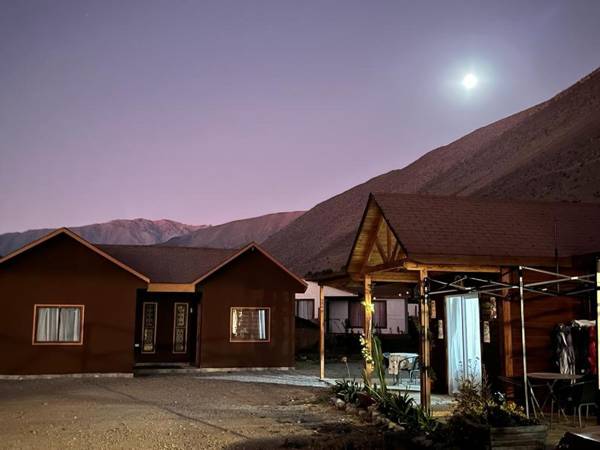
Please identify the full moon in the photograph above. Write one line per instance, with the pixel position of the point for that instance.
(470, 81)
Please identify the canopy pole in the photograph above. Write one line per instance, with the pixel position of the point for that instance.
(368, 326)
(322, 331)
(425, 344)
(522, 305)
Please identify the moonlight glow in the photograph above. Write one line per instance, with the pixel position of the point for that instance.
(470, 81)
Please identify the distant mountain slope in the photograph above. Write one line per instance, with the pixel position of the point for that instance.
(237, 233)
(550, 151)
(136, 231)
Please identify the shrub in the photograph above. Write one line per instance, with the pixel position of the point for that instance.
(347, 390)
(476, 411)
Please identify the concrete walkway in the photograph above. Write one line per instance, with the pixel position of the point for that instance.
(301, 378)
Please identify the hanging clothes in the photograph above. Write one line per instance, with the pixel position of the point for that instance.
(564, 352)
(580, 339)
(592, 350)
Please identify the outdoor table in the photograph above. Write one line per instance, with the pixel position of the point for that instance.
(399, 361)
(550, 379)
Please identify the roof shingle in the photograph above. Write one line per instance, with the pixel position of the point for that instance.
(163, 264)
(467, 226)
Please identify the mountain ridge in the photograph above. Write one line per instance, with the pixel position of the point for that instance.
(236, 233)
(549, 151)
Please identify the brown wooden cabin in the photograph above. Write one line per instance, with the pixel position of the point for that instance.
(69, 306)
(422, 241)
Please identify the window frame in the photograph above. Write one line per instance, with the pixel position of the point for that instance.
(233, 340)
(312, 308)
(37, 306)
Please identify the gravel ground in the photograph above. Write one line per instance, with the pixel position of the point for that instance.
(173, 412)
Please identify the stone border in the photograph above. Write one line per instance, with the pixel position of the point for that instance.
(369, 414)
(63, 376)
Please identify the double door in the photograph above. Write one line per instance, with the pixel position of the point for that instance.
(166, 331)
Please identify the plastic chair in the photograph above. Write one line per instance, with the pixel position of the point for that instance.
(579, 395)
(411, 366)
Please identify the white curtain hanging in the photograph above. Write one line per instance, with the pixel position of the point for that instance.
(69, 325)
(262, 324)
(47, 325)
(464, 347)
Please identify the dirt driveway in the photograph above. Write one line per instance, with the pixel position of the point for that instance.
(172, 412)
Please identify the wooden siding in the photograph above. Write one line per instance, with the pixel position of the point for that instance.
(252, 280)
(62, 270)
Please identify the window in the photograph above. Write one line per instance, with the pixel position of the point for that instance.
(58, 324)
(305, 308)
(380, 315)
(356, 314)
(250, 324)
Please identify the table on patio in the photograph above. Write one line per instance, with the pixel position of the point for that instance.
(549, 380)
(400, 361)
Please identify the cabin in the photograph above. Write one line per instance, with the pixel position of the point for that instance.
(344, 311)
(72, 307)
(494, 280)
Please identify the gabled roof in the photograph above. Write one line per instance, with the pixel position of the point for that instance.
(445, 228)
(76, 237)
(185, 265)
(162, 264)
(168, 264)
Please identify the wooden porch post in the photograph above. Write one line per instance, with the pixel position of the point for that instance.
(368, 324)
(424, 341)
(322, 331)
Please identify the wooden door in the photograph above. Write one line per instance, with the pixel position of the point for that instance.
(166, 331)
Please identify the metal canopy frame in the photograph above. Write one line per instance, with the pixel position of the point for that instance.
(583, 284)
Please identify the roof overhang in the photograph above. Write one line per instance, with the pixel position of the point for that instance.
(379, 252)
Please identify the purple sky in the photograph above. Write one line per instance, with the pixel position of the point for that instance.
(205, 112)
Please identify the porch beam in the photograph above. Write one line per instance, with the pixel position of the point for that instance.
(388, 235)
(394, 277)
(371, 242)
(171, 287)
(381, 251)
(408, 265)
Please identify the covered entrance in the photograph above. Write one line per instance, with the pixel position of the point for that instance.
(449, 250)
(166, 328)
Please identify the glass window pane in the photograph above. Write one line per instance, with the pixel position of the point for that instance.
(70, 325)
(250, 324)
(47, 324)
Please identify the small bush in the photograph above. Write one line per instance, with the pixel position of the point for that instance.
(347, 390)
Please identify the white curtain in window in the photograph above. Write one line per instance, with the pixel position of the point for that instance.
(47, 325)
(305, 309)
(262, 324)
(70, 319)
(464, 347)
